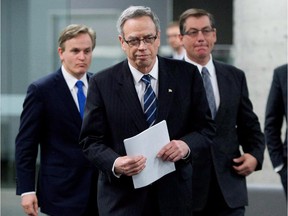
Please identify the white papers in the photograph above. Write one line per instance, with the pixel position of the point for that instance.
(148, 143)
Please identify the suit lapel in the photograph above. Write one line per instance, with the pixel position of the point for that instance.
(128, 95)
(224, 92)
(166, 90)
(66, 100)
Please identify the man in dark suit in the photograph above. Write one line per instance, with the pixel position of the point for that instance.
(66, 183)
(276, 111)
(219, 185)
(115, 111)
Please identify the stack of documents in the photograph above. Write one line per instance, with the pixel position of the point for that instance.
(148, 143)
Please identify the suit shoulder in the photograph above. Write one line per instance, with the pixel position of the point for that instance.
(46, 80)
(230, 69)
(90, 74)
(109, 71)
(176, 62)
(177, 66)
(281, 70)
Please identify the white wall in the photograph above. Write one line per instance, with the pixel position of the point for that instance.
(260, 45)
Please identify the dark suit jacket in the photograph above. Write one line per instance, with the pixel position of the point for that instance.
(236, 125)
(113, 113)
(276, 110)
(50, 118)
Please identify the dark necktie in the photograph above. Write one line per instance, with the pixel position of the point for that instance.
(81, 97)
(209, 91)
(150, 105)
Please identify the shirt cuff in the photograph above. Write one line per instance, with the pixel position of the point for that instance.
(27, 193)
(278, 168)
(113, 170)
(187, 155)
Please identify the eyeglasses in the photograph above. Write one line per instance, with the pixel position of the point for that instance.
(194, 32)
(136, 41)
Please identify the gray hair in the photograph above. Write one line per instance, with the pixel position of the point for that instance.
(134, 12)
(72, 31)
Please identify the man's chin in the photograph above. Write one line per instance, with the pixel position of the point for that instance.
(202, 55)
(82, 71)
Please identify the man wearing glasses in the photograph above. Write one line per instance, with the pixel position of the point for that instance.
(116, 110)
(219, 185)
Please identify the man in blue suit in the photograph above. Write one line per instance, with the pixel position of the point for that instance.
(276, 111)
(115, 110)
(51, 122)
(219, 183)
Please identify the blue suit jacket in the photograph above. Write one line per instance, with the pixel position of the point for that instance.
(237, 125)
(113, 113)
(50, 118)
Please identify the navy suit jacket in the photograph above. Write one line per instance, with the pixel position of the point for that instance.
(276, 110)
(50, 118)
(236, 125)
(113, 113)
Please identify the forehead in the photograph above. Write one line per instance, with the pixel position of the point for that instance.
(173, 29)
(82, 39)
(197, 22)
(139, 26)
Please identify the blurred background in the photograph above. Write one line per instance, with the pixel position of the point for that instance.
(252, 35)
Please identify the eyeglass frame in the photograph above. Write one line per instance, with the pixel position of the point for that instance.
(148, 37)
(205, 31)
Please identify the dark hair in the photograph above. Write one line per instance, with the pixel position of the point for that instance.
(194, 12)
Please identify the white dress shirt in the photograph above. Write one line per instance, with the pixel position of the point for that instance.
(213, 77)
(71, 81)
(140, 85)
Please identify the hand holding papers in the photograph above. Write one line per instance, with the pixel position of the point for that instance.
(148, 143)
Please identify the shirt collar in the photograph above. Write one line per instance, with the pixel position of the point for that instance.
(137, 75)
(71, 80)
(209, 65)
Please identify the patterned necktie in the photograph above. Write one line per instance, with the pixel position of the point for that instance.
(81, 97)
(149, 101)
(209, 91)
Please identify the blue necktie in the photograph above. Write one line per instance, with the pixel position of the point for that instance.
(81, 97)
(149, 101)
(209, 91)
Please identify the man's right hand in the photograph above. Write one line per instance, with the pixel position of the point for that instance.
(29, 203)
(129, 166)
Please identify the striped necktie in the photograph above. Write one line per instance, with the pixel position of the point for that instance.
(209, 91)
(150, 101)
(81, 97)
